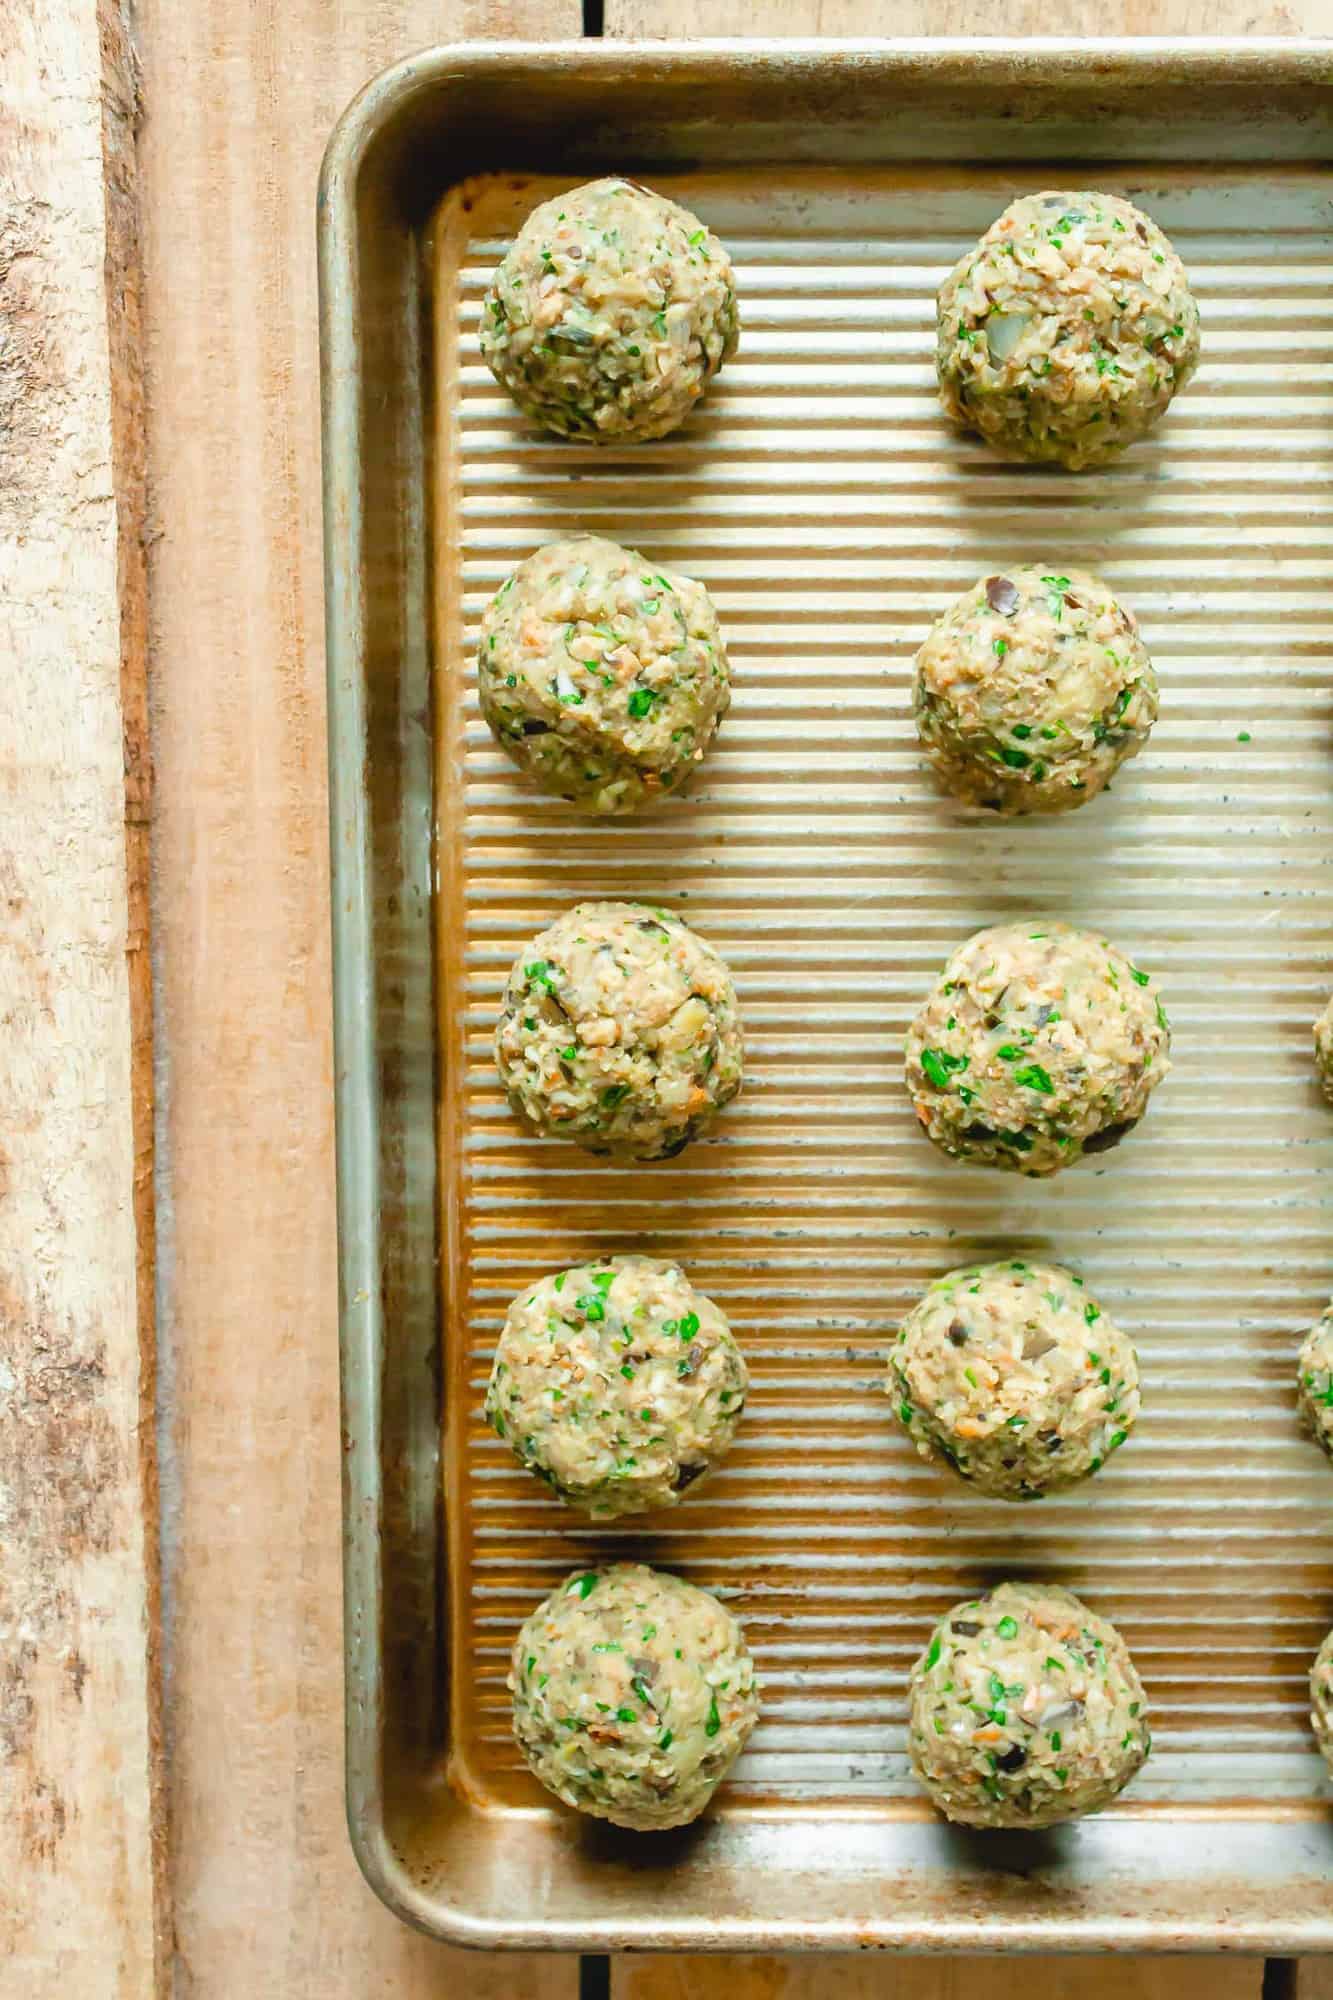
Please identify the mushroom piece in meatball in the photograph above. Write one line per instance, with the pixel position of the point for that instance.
(620, 1031)
(1013, 1375)
(618, 1383)
(1025, 1710)
(634, 1694)
(610, 313)
(1039, 1043)
(603, 677)
(1314, 1381)
(1065, 332)
(1033, 690)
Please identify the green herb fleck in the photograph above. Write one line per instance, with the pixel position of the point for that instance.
(939, 1066)
(1056, 586)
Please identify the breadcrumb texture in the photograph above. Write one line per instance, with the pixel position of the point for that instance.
(1064, 334)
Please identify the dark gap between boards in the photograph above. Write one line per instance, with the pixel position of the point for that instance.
(595, 1969)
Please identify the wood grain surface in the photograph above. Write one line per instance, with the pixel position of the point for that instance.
(80, 1853)
(241, 97)
(665, 19)
(979, 1978)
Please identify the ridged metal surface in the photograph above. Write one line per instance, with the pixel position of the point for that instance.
(820, 495)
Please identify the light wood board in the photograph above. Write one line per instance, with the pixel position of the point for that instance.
(665, 20)
(242, 95)
(977, 1979)
(80, 1849)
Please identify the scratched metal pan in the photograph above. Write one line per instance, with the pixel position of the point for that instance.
(820, 495)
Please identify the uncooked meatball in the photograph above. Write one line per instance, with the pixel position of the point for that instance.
(1323, 1050)
(1314, 1381)
(1065, 332)
(1321, 1699)
(620, 1031)
(1026, 1710)
(1015, 1377)
(618, 1384)
(610, 313)
(634, 1693)
(1033, 690)
(602, 677)
(1039, 1043)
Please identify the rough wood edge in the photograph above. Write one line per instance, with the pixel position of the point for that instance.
(81, 1762)
(121, 108)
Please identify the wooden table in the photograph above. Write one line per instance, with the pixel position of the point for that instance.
(170, 1649)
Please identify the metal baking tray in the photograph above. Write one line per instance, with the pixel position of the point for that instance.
(821, 496)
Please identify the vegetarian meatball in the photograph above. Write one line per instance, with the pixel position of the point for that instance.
(620, 1031)
(1039, 1043)
(634, 1693)
(1015, 1377)
(1065, 332)
(1321, 1699)
(1323, 1050)
(1314, 1381)
(610, 313)
(1032, 692)
(1026, 1710)
(618, 1384)
(603, 678)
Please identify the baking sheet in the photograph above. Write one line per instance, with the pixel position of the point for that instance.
(819, 494)
(833, 513)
